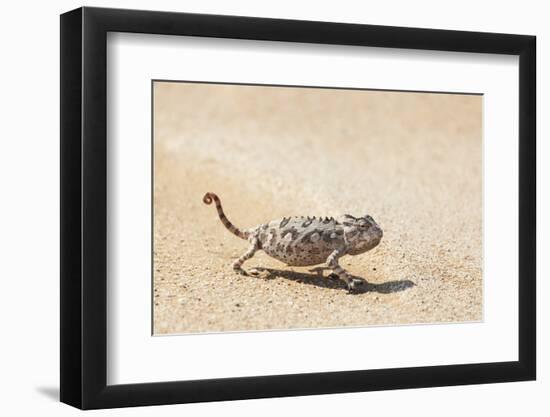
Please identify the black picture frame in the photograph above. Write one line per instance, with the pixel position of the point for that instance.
(84, 207)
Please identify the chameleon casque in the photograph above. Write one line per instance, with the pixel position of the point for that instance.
(307, 241)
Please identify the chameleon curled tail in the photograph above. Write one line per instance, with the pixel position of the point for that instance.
(207, 199)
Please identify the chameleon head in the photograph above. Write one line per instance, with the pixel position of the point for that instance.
(361, 234)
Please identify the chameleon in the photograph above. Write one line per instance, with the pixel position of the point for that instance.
(307, 241)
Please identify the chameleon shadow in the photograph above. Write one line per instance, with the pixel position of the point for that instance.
(319, 280)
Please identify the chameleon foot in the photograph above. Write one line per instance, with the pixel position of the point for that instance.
(354, 285)
(240, 271)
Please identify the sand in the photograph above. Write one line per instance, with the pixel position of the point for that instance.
(413, 161)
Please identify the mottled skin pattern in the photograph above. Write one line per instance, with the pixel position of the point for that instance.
(306, 241)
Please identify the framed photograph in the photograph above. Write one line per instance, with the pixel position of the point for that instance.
(257, 208)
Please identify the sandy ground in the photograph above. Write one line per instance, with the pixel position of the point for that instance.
(411, 160)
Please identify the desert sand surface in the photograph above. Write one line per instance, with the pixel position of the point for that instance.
(413, 161)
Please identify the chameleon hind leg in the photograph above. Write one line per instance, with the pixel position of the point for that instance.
(252, 249)
(332, 261)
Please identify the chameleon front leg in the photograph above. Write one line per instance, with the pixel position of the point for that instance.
(332, 262)
(237, 265)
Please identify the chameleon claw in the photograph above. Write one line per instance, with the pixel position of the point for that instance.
(354, 285)
(240, 271)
